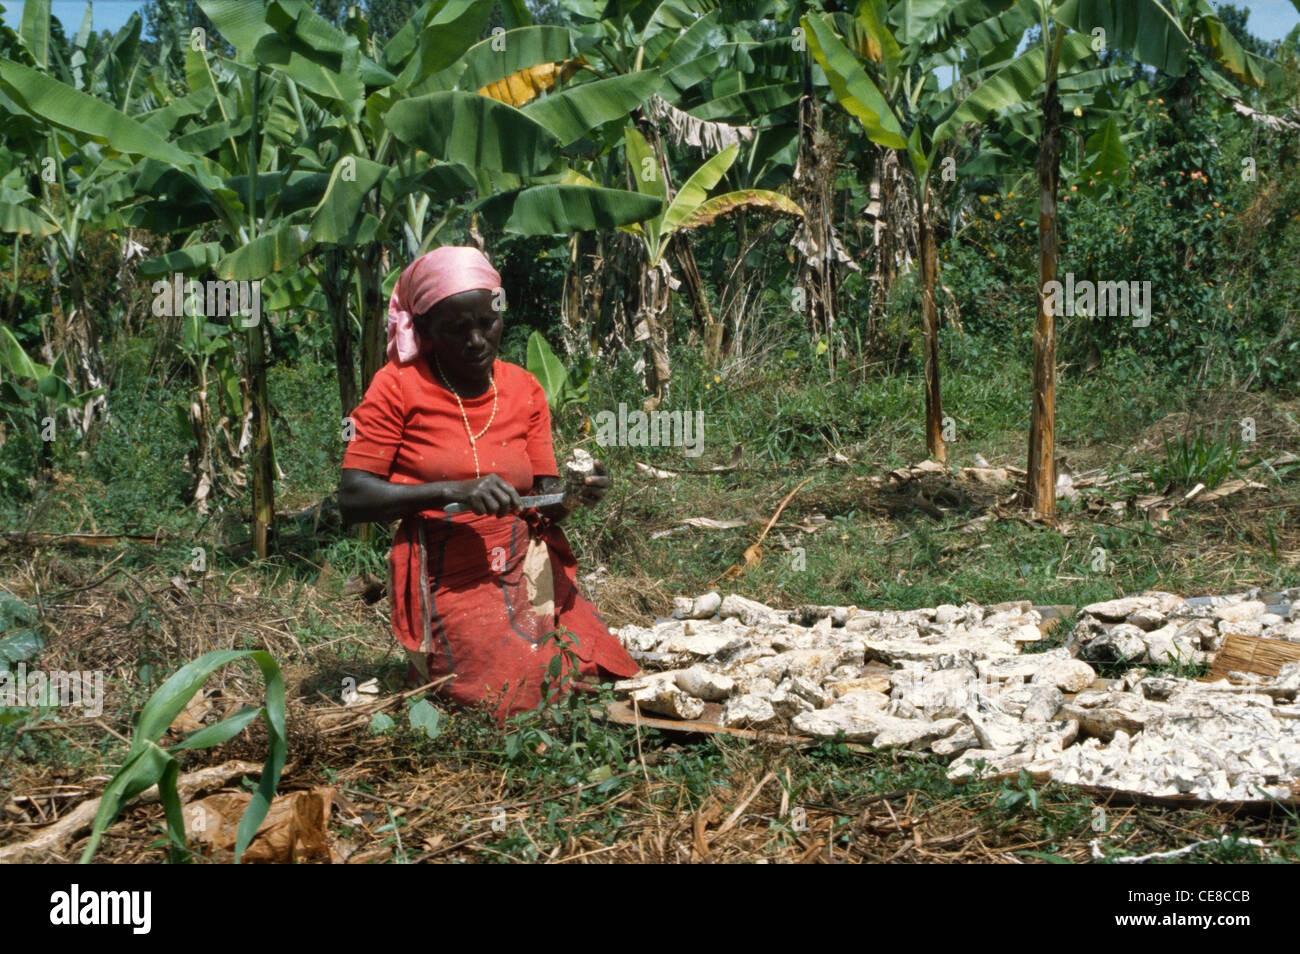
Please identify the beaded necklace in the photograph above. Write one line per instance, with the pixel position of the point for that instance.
(473, 438)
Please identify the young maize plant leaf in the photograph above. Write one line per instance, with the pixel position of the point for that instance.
(147, 763)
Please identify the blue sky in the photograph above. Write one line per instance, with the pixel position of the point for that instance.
(1270, 19)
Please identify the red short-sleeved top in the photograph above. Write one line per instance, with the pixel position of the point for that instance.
(409, 429)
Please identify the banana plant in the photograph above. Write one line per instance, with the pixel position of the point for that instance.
(32, 393)
(1154, 36)
(910, 115)
(78, 180)
(720, 67)
(1062, 63)
(205, 191)
(445, 114)
(979, 38)
(356, 151)
(689, 208)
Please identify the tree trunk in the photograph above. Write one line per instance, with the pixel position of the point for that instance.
(83, 334)
(257, 414)
(594, 296)
(722, 342)
(934, 444)
(1040, 481)
(374, 317)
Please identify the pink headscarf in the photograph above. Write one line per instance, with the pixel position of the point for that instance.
(429, 279)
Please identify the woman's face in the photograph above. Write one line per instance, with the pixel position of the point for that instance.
(464, 332)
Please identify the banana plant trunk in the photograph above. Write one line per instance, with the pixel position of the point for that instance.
(336, 280)
(263, 461)
(654, 311)
(1041, 477)
(710, 328)
(816, 241)
(83, 334)
(263, 453)
(74, 337)
(572, 327)
(374, 317)
(934, 443)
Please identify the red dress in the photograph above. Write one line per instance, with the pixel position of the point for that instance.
(474, 596)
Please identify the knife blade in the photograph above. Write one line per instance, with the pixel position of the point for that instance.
(540, 500)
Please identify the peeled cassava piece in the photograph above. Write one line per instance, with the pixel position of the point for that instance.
(701, 607)
(964, 683)
(577, 469)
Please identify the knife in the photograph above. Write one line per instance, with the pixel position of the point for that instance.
(541, 500)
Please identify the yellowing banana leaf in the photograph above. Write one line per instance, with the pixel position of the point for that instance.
(503, 54)
(522, 87)
(712, 209)
(878, 43)
(574, 177)
(17, 219)
(1227, 51)
(852, 86)
(696, 189)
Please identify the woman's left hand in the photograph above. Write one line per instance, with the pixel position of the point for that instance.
(596, 485)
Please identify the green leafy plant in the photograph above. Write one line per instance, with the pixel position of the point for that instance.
(19, 641)
(147, 763)
(426, 718)
(562, 739)
(1197, 457)
(563, 386)
(1021, 795)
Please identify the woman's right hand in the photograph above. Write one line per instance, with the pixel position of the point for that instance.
(487, 495)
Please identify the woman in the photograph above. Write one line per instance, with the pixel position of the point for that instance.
(474, 594)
